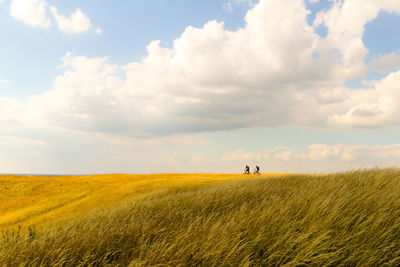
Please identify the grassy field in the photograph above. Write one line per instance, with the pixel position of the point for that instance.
(35, 200)
(347, 219)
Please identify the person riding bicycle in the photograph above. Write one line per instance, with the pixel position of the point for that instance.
(247, 169)
(256, 170)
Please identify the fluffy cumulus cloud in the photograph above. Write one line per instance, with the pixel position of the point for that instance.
(77, 22)
(379, 108)
(386, 63)
(35, 13)
(274, 71)
(31, 12)
(265, 74)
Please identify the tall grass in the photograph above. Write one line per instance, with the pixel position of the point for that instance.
(34, 200)
(348, 219)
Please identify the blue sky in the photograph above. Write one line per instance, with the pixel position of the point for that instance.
(164, 86)
(128, 26)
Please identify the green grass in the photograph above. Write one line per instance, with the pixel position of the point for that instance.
(349, 219)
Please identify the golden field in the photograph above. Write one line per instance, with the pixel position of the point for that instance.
(344, 219)
(36, 200)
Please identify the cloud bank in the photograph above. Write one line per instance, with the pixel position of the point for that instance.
(318, 158)
(265, 74)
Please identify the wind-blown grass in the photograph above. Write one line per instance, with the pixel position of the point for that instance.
(35, 200)
(344, 219)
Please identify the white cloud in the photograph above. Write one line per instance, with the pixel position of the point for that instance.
(380, 108)
(213, 79)
(35, 13)
(346, 22)
(77, 22)
(31, 12)
(386, 63)
(264, 74)
(318, 158)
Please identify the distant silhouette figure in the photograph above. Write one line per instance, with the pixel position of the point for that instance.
(257, 170)
(247, 169)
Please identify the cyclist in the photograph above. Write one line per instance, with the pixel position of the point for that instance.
(247, 169)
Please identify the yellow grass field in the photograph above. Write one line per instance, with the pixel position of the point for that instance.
(35, 200)
(343, 219)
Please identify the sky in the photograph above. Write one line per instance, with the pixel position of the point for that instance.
(176, 86)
